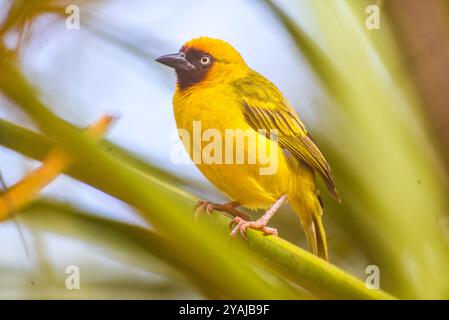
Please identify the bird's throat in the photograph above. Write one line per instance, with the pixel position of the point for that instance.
(186, 79)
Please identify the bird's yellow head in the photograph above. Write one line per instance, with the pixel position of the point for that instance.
(205, 61)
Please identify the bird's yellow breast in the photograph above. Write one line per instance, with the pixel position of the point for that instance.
(218, 109)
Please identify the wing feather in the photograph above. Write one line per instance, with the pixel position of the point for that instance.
(264, 107)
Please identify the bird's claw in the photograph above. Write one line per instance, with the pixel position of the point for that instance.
(201, 207)
(208, 207)
(239, 225)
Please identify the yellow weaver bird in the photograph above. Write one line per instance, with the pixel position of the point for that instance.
(216, 88)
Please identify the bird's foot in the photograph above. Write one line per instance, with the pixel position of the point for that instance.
(239, 225)
(208, 207)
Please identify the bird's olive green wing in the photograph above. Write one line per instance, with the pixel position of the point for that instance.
(264, 107)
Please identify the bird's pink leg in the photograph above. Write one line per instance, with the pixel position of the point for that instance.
(229, 207)
(240, 225)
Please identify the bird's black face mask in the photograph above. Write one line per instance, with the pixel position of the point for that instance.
(191, 65)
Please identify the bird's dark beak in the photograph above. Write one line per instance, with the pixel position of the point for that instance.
(176, 61)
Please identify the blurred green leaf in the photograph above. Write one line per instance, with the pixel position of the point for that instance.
(378, 145)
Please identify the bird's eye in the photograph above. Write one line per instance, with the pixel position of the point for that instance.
(205, 60)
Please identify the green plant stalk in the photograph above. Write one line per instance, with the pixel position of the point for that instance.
(284, 258)
(304, 268)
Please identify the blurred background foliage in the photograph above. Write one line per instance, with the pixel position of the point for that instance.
(376, 101)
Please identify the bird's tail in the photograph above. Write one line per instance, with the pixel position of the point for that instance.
(310, 212)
